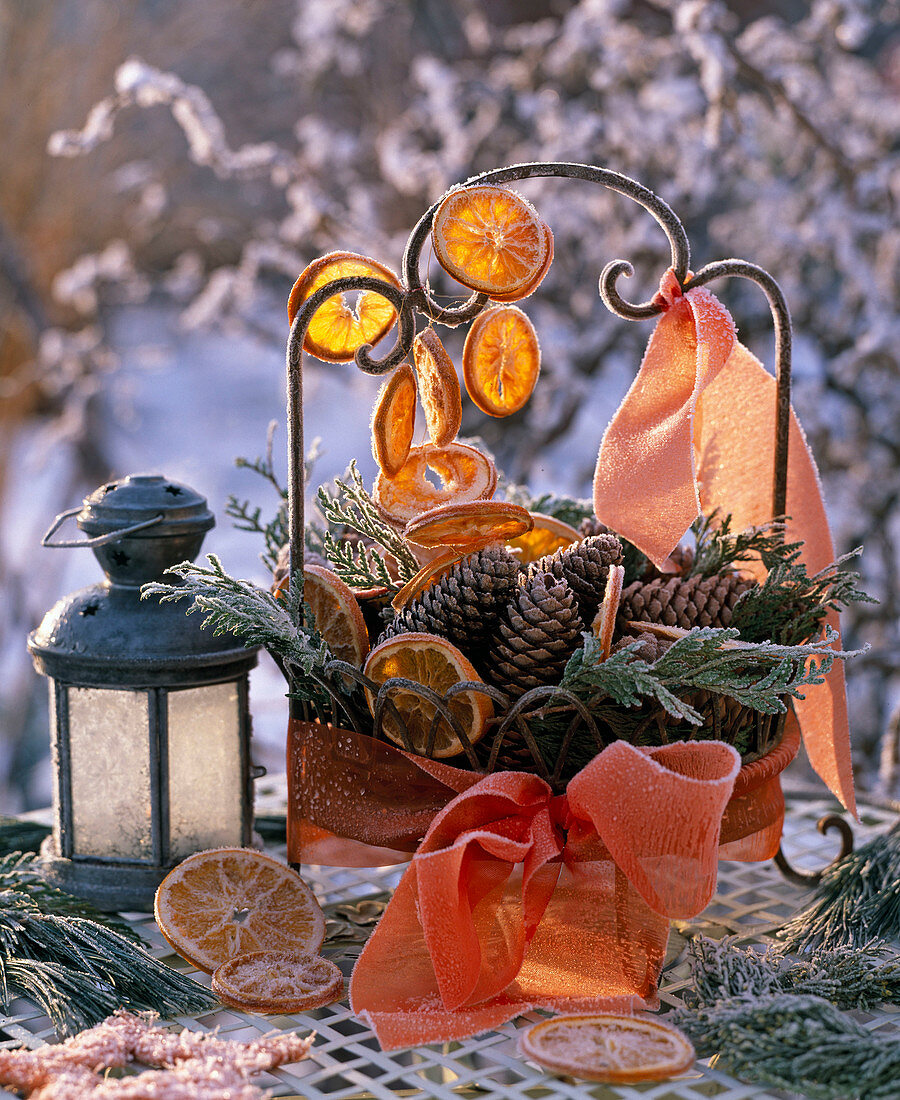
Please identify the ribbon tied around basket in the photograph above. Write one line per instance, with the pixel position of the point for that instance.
(519, 898)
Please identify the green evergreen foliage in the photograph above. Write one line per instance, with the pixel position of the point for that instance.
(76, 964)
(718, 549)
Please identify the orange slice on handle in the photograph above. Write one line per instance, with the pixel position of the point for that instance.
(546, 536)
(337, 330)
(337, 614)
(394, 420)
(528, 290)
(435, 663)
(469, 526)
(489, 239)
(221, 903)
(501, 360)
(464, 474)
(278, 982)
(438, 387)
(614, 1049)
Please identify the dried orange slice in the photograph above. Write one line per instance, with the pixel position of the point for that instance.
(470, 525)
(614, 1049)
(218, 904)
(527, 291)
(338, 616)
(429, 574)
(546, 536)
(394, 420)
(501, 360)
(435, 663)
(278, 981)
(489, 239)
(604, 623)
(336, 330)
(438, 387)
(464, 473)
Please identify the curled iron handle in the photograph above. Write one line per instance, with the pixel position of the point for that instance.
(97, 540)
(813, 878)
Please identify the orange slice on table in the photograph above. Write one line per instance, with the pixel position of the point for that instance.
(278, 982)
(528, 290)
(501, 360)
(610, 1048)
(547, 535)
(464, 474)
(336, 330)
(224, 902)
(435, 663)
(438, 387)
(469, 525)
(489, 239)
(337, 614)
(394, 420)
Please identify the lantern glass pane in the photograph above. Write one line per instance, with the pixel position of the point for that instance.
(109, 747)
(205, 769)
(54, 757)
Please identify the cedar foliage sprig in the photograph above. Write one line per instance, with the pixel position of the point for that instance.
(790, 606)
(856, 903)
(256, 616)
(353, 508)
(76, 964)
(567, 509)
(796, 1042)
(719, 549)
(846, 978)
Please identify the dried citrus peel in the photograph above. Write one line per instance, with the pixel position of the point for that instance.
(438, 387)
(464, 473)
(501, 360)
(604, 623)
(546, 536)
(394, 420)
(278, 981)
(469, 525)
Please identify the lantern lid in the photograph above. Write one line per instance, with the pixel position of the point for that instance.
(140, 497)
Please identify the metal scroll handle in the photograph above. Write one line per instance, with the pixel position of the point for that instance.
(98, 540)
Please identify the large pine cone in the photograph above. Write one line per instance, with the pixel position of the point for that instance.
(537, 635)
(585, 567)
(465, 604)
(685, 602)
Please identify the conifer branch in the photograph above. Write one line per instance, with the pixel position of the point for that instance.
(720, 550)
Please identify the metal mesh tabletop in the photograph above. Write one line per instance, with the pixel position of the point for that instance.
(752, 900)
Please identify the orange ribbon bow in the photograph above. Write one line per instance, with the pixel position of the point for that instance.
(694, 433)
(517, 898)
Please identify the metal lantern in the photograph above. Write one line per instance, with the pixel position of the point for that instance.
(150, 724)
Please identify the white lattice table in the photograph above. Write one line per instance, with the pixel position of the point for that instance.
(752, 900)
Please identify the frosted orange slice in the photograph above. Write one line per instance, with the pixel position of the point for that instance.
(528, 290)
(435, 663)
(546, 536)
(337, 614)
(224, 902)
(501, 360)
(469, 526)
(614, 1049)
(464, 474)
(489, 239)
(337, 330)
(278, 981)
(438, 387)
(604, 623)
(394, 420)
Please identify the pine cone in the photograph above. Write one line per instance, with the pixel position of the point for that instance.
(536, 636)
(684, 602)
(585, 567)
(465, 604)
(651, 648)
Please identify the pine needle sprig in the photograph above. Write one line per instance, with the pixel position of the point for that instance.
(848, 979)
(353, 508)
(283, 625)
(795, 1042)
(856, 903)
(720, 550)
(77, 964)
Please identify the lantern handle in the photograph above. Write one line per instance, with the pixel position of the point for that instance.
(98, 540)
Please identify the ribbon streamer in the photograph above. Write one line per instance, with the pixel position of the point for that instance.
(517, 898)
(694, 433)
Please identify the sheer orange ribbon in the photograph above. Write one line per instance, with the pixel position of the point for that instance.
(517, 898)
(694, 433)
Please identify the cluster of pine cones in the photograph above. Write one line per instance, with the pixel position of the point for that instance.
(519, 626)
